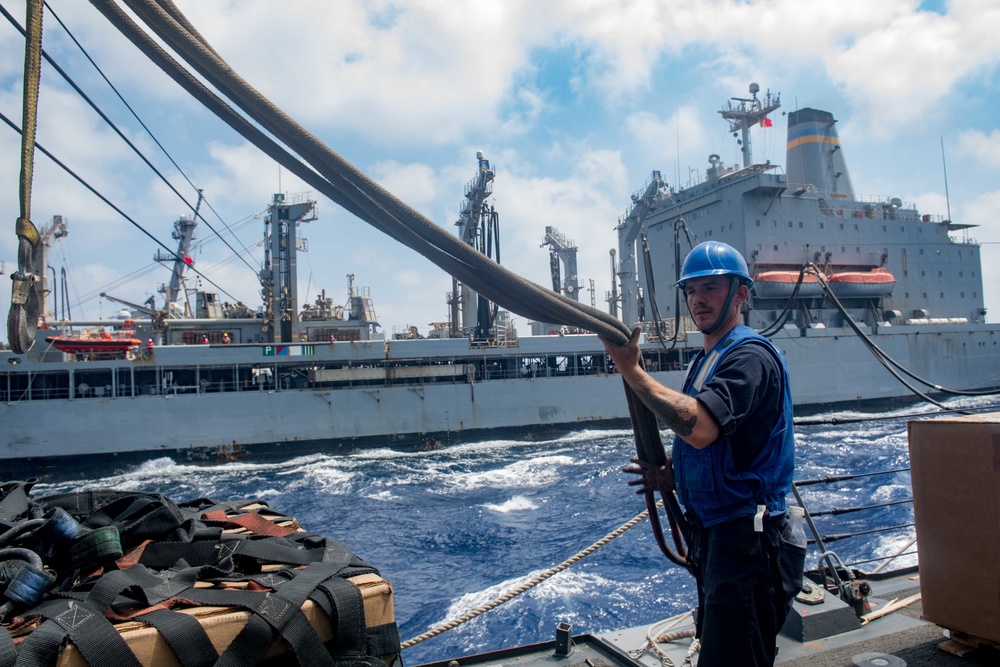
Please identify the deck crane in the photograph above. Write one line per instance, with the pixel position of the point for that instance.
(628, 228)
(56, 230)
(564, 250)
(478, 226)
(157, 317)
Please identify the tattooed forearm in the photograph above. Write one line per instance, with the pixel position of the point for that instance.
(677, 415)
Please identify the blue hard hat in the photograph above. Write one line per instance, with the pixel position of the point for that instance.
(714, 258)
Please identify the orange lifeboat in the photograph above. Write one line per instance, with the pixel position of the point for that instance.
(779, 284)
(90, 343)
(866, 284)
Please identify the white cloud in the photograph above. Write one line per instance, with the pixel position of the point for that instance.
(983, 148)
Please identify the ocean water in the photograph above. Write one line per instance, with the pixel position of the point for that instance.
(455, 528)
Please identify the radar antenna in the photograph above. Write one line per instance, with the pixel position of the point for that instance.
(746, 112)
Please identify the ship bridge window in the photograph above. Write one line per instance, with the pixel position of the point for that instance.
(939, 274)
(789, 223)
(921, 251)
(923, 273)
(841, 225)
(843, 249)
(822, 225)
(961, 273)
(855, 228)
(758, 223)
(775, 247)
(884, 229)
(962, 294)
(801, 224)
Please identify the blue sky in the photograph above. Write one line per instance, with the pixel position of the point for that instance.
(573, 101)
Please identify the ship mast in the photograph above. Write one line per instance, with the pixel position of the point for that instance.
(183, 233)
(747, 112)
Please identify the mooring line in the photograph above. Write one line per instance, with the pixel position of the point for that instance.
(509, 595)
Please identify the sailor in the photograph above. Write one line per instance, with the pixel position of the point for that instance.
(731, 463)
(149, 346)
(204, 339)
(225, 338)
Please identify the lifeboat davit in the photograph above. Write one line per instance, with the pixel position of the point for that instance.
(867, 284)
(101, 343)
(780, 285)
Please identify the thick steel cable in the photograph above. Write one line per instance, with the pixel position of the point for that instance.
(514, 592)
(373, 214)
(498, 284)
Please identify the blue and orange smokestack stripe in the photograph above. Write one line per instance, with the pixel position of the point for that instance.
(812, 134)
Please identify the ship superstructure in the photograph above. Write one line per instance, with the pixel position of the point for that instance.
(888, 263)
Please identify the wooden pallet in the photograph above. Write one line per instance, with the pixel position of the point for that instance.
(961, 644)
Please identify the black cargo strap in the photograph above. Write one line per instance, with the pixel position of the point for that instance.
(239, 547)
(84, 624)
(14, 499)
(383, 639)
(345, 608)
(274, 614)
(168, 549)
(85, 503)
(8, 652)
(138, 518)
(183, 633)
(185, 637)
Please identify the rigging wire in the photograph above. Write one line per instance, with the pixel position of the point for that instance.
(10, 18)
(141, 123)
(107, 201)
(888, 361)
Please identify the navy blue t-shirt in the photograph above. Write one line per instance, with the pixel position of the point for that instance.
(744, 398)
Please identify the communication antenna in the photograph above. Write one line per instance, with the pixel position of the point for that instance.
(944, 165)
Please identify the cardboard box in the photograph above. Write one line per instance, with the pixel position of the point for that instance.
(955, 470)
(223, 624)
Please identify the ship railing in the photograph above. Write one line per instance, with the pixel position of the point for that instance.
(147, 380)
(861, 522)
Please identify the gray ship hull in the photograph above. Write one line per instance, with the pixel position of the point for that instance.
(827, 366)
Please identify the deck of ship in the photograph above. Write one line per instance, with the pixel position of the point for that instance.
(902, 635)
(899, 639)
